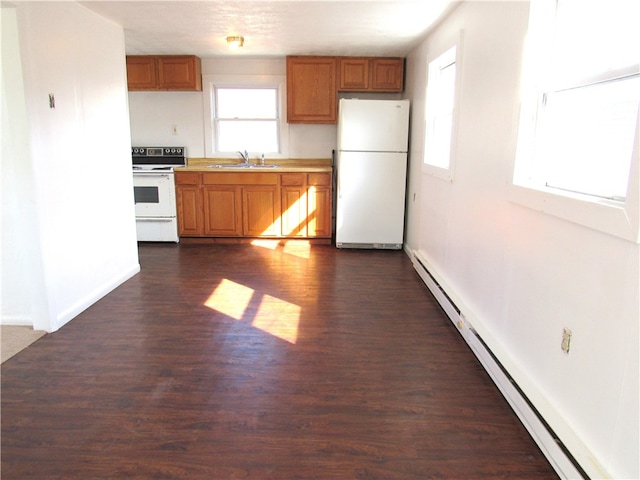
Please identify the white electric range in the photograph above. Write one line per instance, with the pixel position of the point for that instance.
(155, 192)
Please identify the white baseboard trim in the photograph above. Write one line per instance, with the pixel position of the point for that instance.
(560, 458)
(16, 320)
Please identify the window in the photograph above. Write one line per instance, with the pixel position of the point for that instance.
(586, 137)
(439, 111)
(246, 118)
(577, 142)
(244, 113)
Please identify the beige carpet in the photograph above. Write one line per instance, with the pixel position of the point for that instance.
(13, 339)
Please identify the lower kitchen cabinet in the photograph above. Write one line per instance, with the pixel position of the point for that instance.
(232, 204)
(294, 212)
(222, 210)
(260, 211)
(294, 204)
(306, 205)
(319, 210)
(241, 204)
(189, 204)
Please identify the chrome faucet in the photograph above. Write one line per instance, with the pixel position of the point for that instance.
(245, 157)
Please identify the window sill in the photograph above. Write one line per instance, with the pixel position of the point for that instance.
(619, 219)
(445, 174)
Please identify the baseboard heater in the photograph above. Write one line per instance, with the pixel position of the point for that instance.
(563, 462)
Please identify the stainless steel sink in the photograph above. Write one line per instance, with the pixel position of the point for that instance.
(241, 166)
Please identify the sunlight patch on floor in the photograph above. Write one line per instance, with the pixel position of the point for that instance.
(230, 298)
(278, 318)
(274, 316)
(298, 248)
(264, 243)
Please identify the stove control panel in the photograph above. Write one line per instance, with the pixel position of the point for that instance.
(158, 156)
(158, 151)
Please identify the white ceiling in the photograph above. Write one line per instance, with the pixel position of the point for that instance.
(273, 28)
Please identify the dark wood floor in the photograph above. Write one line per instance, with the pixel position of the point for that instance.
(194, 369)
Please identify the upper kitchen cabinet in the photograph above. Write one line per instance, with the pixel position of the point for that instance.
(365, 74)
(141, 73)
(387, 74)
(313, 83)
(164, 72)
(312, 89)
(354, 74)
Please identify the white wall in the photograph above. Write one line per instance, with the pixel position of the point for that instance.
(23, 294)
(520, 276)
(71, 210)
(152, 115)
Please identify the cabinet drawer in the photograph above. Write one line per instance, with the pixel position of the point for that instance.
(319, 179)
(292, 179)
(187, 178)
(232, 178)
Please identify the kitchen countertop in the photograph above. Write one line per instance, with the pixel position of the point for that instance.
(284, 165)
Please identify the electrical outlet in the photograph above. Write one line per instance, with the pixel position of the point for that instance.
(174, 129)
(566, 340)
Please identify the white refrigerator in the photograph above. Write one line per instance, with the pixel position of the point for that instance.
(371, 170)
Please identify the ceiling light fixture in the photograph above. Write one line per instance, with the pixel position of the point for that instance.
(235, 42)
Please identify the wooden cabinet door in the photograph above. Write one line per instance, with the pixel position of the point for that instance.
(260, 211)
(142, 72)
(387, 74)
(354, 74)
(320, 202)
(294, 204)
(312, 93)
(319, 216)
(222, 210)
(294, 212)
(189, 210)
(179, 72)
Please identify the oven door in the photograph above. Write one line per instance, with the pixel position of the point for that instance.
(154, 194)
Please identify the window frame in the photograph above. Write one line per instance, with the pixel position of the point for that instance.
(447, 174)
(620, 218)
(243, 81)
